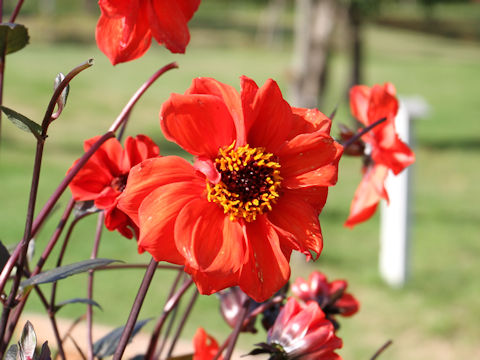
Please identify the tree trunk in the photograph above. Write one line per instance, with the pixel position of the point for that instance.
(315, 21)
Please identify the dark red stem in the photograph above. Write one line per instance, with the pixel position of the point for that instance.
(169, 305)
(96, 244)
(362, 132)
(132, 319)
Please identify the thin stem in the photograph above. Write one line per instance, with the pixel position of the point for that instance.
(19, 308)
(132, 319)
(159, 323)
(16, 11)
(98, 236)
(170, 304)
(238, 328)
(223, 347)
(168, 330)
(47, 118)
(381, 350)
(362, 132)
(56, 235)
(126, 110)
(183, 321)
(138, 266)
(68, 178)
(10, 303)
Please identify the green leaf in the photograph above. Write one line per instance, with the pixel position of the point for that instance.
(78, 301)
(13, 37)
(64, 271)
(22, 122)
(107, 345)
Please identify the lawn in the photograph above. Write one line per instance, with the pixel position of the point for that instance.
(433, 316)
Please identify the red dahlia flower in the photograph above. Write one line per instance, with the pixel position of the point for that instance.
(331, 296)
(301, 331)
(104, 176)
(205, 346)
(385, 150)
(254, 193)
(126, 27)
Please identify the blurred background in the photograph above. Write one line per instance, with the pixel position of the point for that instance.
(428, 49)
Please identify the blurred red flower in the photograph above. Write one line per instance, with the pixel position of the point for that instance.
(384, 149)
(254, 193)
(303, 333)
(104, 176)
(126, 27)
(205, 346)
(331, 296)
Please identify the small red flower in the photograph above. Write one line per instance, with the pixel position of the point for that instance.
(302, 332)
(260, 179)
(331, 296)
(384, 149)
(104, 177)
(205, 346)
(126, 27)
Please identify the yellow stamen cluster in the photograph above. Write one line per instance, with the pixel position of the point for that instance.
(249, 184)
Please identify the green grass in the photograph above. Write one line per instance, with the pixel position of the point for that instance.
(434, 316)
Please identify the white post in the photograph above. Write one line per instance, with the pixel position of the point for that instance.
(395, 218)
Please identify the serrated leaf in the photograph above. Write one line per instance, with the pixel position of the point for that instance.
(78, 301)
(45, 353)
(13, 37)
(64, 271)
(22, 122)
(28, 342)
(107, 345)
(12, 352)
(4, 255)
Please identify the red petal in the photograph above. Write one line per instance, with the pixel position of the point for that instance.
(396, 155)
(168, 22)
(308, 121)
(151, 174)
(367, 195)
(205, 346)
(138, 149)
(90, 181)
(157, 215)
(382, 104)
(212, 282)
(116, 219)
(359, 101)
(230, 97)
(300, 219)
(123, 39)
(208, 240)
(272, 120)
(310, 160)
(109, 155)
(267, 269)
(248, 93)
(201, 124)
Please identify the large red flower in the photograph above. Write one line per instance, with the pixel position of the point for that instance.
(126, 27)
(205, 346)
(385, 150)
(104, 176)
(303, 333)
(254, 193)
